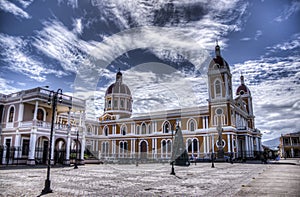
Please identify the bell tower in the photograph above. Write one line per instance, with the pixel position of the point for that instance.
(220, 90)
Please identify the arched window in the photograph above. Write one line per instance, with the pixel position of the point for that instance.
(218, 91)
(143, 128)
(169, 147)
(166, 127)
(123, 149)
(189, 144)
(195, 145)
(164, 148)
(40, 114)
(105, 131)
(89, 130)
(105, 148)
(123, 130)
(191, 125)
(137, 129)
(11, 114)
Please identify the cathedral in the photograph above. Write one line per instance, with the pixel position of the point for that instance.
(118, 136)
(150, 136)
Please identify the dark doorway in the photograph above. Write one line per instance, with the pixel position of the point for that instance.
(143, 150)
(45, 152)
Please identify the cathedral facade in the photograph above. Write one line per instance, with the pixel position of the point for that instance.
(150, 136)
(26, 119)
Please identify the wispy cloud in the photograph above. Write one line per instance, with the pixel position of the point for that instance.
(15, 54)
(57, 42)
(13, 9)
(289, 45)
(7, 86)
(288, 11)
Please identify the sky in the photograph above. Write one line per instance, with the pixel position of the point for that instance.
(163, 49)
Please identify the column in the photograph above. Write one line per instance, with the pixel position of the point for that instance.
(207, 144)
(232, 144)
(212, 144)
(67, 161)
(203, 121)
(246, 145)
(20, 114)
(237, 146)
(229, 143)
(257, 145)
(35, 110)
(155, 145)
(204, 144)
(226, 85)
(17, 143)
(31, 155)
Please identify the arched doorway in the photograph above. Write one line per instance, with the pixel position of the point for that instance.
(143, 148)
(42, 150)
(60, 151)
(75, 150)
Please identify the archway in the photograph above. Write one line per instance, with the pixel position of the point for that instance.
(42, 150)
(59, 151)
(143, 148)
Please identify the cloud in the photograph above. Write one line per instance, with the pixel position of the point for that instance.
(257, 34)
(18, 59)
(274, 82)
(288, 11)
(245, 39)
(78, 27)
(25, 3)
(13, 9)
(57, 42)
(7, 86)
(289, 45)
(204, 21)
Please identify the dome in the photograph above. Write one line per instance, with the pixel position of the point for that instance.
(218, 62)
(118, 99)
(118, 88)
(242, 89)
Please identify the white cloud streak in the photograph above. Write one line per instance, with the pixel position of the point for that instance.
(14, 53)
(13, 9)
(288, 11)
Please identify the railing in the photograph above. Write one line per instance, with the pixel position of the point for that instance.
(293, 144)
(42, 93)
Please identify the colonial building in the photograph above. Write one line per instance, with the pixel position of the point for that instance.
(290, 145)
(149, 136)
(26, 119)
(25, 127)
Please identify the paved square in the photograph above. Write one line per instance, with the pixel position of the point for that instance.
(155, 180)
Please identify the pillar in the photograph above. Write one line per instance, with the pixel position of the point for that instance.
(246, 145)
(229, 143)
(20, 114)
(31, 155)
(67, 161)
(212, 144)
(204, 145)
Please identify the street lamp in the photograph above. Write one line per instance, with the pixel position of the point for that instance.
(53, 96)
(172, 170)
(212, 160)
(76, 160)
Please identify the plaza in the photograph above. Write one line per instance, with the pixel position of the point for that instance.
(238, 179)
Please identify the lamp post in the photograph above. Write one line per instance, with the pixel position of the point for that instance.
(76, 160)
(53, 96)
(172, 170)
(212, 160)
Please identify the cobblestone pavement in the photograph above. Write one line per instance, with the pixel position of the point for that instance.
(154, 180)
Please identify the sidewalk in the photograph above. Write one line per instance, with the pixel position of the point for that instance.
(239, 179)
(288, 161)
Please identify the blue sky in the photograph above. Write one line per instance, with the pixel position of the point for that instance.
(161, 46)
